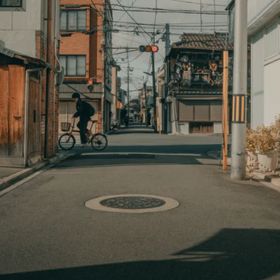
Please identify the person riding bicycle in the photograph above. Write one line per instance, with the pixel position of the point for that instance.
(85, 111)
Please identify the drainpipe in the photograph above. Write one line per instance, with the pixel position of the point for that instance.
(26, 111)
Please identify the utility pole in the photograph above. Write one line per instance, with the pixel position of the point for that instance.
(238, 165)
(225, 110)
(48, 78)
(128, 85)
(146, 103)
(105, 53)
(167, 48)
(154, 91)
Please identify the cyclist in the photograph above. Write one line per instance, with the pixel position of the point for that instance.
(85, 111)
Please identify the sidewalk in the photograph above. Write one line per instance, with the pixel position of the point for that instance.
(271, 180)
(10, 175)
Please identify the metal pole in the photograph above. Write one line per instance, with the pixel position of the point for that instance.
(105, 20)
(154, 91)
(128, 86)
(238, 164)
(146, 104)
(167, 48)
(48, 77)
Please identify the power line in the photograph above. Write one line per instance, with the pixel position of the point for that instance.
(163, 10)
(123, 7)
(195, 3)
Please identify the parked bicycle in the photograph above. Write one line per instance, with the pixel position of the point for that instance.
(67, 141)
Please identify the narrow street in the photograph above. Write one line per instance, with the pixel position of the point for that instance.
(221, 229)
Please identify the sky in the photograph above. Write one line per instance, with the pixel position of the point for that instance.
(127, 36)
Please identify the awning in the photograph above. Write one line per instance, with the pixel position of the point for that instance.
(27, 60)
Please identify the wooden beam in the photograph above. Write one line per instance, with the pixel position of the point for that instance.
(225, 110)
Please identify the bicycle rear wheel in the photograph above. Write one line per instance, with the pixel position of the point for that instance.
(99, 142)
(66, 141)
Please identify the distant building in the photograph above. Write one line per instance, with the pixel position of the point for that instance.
(145, 97)
(195, 80)
(116, 105)
(82, 57)
(161, 104)
(28, 76)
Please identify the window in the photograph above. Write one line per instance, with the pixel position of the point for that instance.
(12, 5)
(73, 20)
(74, 65)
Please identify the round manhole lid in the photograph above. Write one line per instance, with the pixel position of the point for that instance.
(131, 203)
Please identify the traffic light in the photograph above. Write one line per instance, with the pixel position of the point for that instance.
(149, 48)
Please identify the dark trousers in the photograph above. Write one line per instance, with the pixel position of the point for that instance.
(82, 125)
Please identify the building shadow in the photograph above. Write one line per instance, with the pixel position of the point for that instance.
(133, 130)
(126, 160)
(231, 254)
(167, 149)
(139, 155)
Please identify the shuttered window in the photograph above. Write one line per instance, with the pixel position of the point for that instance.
(186, 111)
(216, 112)
(199, 111)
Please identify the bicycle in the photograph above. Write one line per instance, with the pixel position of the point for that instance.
(67, 141)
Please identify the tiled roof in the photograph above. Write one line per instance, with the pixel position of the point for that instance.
(200, 41)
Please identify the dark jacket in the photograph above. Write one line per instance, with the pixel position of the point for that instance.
(84, 110)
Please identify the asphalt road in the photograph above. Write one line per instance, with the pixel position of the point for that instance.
(221, 229)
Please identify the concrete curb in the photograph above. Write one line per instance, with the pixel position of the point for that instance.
(16, 177)
(268, 180)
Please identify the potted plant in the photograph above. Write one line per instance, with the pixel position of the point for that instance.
(266, 148)
(251, 147)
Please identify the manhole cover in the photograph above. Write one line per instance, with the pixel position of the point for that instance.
(131, 203)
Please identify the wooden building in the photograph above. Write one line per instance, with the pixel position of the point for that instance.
(195, 82)
(21, 136)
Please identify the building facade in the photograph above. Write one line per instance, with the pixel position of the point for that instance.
(30, 41)
(82, 56)
(195, 81)
(145, 97)
(264, 36)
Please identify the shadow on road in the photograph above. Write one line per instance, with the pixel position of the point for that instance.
(134, 155)
(168, 149)
(231, 254)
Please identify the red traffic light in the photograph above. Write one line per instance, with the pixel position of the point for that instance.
(155, 48)
(149, 48)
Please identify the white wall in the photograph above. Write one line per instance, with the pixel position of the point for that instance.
(272, 92)
(257, 7)
(257, 81)
(18, 28)
(265, 58)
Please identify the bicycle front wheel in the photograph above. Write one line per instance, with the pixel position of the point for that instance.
(66, 141)
(99, 142)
